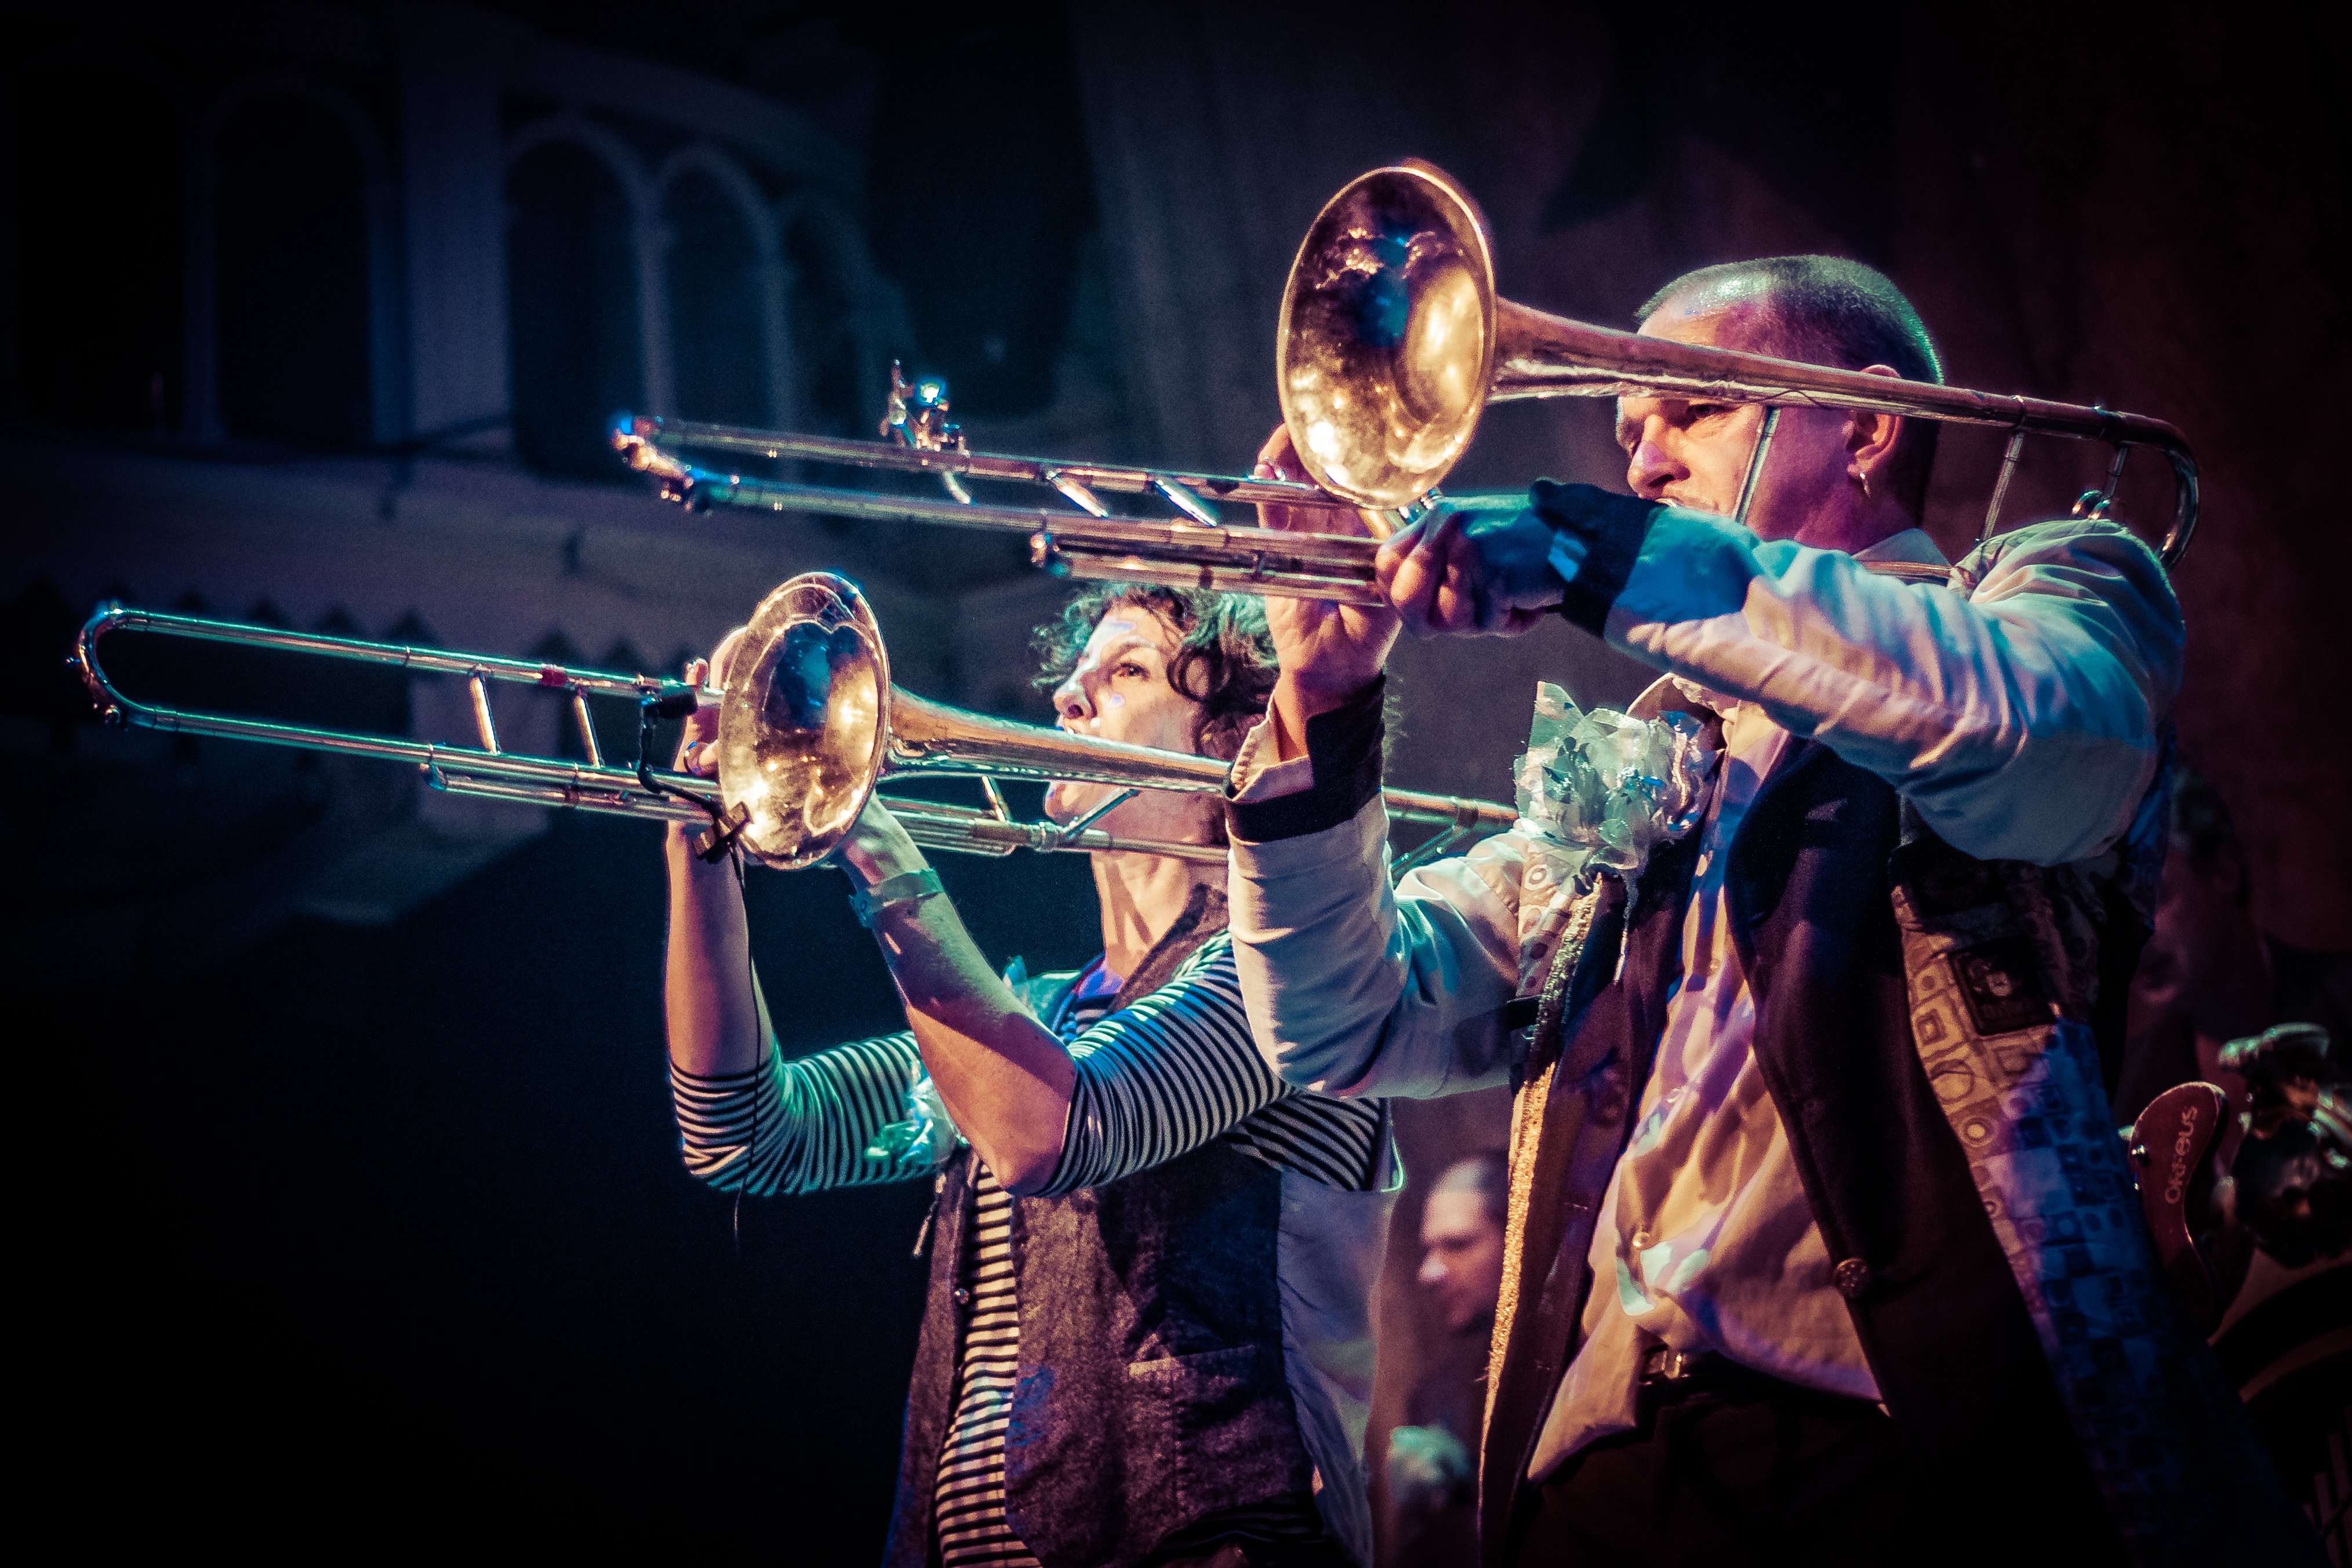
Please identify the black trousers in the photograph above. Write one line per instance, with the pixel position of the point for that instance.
(1756, 1470)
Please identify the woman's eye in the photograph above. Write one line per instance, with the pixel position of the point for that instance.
(1131, 668)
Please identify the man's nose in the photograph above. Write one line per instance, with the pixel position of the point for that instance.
(1649, 470)
(1432, 1269)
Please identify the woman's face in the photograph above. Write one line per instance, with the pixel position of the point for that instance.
(1119, 691)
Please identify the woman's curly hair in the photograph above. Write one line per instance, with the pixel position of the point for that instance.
(1224, 655)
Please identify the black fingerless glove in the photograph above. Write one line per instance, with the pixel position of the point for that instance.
(1344, 745)
(1612, 528)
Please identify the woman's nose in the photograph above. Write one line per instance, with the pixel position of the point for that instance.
(1071, 702)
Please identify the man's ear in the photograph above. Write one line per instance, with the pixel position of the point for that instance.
(1870, 438)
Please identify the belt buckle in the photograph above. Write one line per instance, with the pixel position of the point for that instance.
(1665, 1363)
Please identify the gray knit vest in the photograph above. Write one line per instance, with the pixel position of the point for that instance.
(1151, 1392)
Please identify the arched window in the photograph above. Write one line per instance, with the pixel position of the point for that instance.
(291, 222)
(575, 352)
(845, 321)
(99, 226)
(989, 259)
(718, 320)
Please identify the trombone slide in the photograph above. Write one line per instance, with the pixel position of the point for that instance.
(483, 770)
(1181, 552)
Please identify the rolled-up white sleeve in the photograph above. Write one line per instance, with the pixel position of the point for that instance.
(2025, 718)
(1352, 988)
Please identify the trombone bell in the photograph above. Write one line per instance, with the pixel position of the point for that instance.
(1388, 336)
(802, 730)
(811, 725)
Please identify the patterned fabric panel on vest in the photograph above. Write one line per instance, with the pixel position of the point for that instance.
(1999, 956)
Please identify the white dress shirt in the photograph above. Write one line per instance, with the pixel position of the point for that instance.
(1705, 1241)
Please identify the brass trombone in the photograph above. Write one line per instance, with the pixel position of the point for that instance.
(807, 732)
(1392, 341)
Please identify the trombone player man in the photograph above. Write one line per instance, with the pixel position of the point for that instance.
(1822, 1242)
(1148, 1336)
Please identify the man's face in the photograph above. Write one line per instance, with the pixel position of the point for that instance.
(1462, 1256)
(1119, 691)
(2201, 924)
(1695, 454)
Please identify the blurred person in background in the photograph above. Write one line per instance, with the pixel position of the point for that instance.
(2204, 978)
(1433, 1458)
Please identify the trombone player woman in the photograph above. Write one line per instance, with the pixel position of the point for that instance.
(1148, 1337)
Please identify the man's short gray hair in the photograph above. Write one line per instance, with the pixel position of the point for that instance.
(1827, 310)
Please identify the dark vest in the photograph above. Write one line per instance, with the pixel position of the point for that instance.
(1811, 885)
(1151, 1389)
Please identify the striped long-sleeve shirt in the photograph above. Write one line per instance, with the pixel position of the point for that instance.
(1155, 1080)
(1167, 1074)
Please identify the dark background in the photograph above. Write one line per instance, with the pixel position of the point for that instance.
(355, 1233)
(345, 1156)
